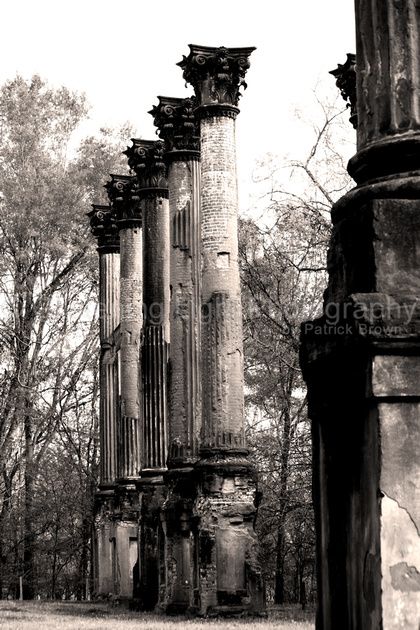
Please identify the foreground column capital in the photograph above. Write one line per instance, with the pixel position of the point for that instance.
(217, 76)
(345, 76)
(178, 127)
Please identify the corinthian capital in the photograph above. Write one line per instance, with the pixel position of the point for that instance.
(123, 195)
(345, 80)
(178, 126)
(104, 227)
(217, 75)
(146, 159)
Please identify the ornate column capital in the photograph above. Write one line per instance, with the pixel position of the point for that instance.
(178, 127)
(217, 75)
(146, 159)
(345, 80)
(104, 227)
(123, 196)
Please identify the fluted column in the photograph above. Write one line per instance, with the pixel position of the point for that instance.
(216, 75)
(146, 159)
(227, 572)
(179, 130)
(103, 226)
(125, 204)
(361, 359)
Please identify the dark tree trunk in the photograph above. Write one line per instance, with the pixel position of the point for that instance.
(279, 580)
(284, 478)
(29, 535)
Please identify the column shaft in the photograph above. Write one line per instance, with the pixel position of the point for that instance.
(103, 226)
(222, 346)
(227, 575)
(156, 331)
(185, 381)
(130, 329)
(109, 271)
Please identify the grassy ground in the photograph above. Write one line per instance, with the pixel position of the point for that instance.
(93, 616)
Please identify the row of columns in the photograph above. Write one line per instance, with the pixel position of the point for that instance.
(362, 371)
(174, 445)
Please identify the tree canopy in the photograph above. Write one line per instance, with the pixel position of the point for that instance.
(48, 323)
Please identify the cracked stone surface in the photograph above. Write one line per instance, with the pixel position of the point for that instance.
(400, 544)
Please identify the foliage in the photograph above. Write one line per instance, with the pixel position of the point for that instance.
(283, 267)
(48, 330)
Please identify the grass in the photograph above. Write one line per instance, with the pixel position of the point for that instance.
(38, 615)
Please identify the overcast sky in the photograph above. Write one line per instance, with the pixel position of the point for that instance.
(122, 54)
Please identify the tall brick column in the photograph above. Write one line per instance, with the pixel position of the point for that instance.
(104, 228)
(146, 159)
(228, 571)
(122, 191)
(178, 128)
(361, 360)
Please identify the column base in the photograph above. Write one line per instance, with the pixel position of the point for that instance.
(151, 548)
(103, 580)
(228, 575)
(125, 542)
(178, 526)
(361, 362)
(364, 403)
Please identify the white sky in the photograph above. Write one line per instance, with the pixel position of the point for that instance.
(122, 54)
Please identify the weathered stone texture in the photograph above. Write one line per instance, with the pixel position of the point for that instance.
(387, 68)
(229, 576)
(102, 547)
(180, 579)
(222, 371)
(109, 292)
(130, 329)
(125, 550)
(361, 358)
(108, 414)
(151, 546)
(185, 385)
(156, 330)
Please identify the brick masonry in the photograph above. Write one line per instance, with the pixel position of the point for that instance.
(222, 371)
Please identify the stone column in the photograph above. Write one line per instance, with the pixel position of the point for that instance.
(127, 211)
(104, 228)
(179, 130)
(146, 159)
(229, 576)
(361, 359)
(122, 191)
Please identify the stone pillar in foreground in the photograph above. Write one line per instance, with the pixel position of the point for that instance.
(104, 228)
(227, 568)
(146, 159)
(361, 360)
(178, 128)
(126, 209)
